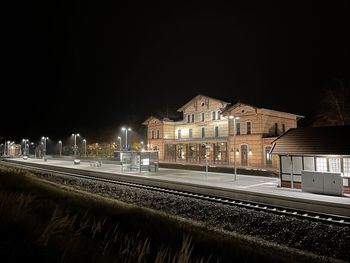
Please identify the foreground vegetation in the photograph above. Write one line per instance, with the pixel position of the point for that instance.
(45, 222)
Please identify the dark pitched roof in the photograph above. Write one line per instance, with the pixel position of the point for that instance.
(314, 140)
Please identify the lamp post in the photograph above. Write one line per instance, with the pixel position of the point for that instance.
(75, 144)
(120, 142)
(25, 146)
(84, 143)
(234, 143)
(60, 145)
(44, 139)
(126, 136)
(31, 144)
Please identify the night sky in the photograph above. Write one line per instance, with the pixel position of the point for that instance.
(91, 67)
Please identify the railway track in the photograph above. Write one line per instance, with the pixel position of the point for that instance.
(257, 206)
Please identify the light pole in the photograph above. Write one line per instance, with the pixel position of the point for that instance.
(120, 142)
(206, 146)
(31, 144)
(126, 136)
(60, 145)
(234, 143)
(25, 146)
(75, 144)
(44, 139)
(84, 143)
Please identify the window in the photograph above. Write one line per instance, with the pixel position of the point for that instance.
(283, 128)
(179, 134)
(188, 118)
(185, 117)
(190, 133)
(203, 132)
(276, 129)
(152, 134)
(334, 165)
(219, 115)
(192, 117)
(249, 127)
(157, 134)
(238, 128)
(321, 164)
(346, 166)
(202, 116)
(214, 115)
(216, 131)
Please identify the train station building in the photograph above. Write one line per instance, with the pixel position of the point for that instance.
(235, 133)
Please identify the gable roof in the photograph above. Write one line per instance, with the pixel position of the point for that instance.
(146, 122)
(239, 104)
(330, 140)
(196, 97)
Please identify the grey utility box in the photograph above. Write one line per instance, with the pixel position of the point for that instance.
(321, 182)
(333, 184)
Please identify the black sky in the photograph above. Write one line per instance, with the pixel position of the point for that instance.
(92, 66)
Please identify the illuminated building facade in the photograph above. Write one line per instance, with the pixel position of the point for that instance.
(209, 121)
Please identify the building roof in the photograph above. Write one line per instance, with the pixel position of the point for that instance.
(200, 95)
(256, 108)
(330, 140)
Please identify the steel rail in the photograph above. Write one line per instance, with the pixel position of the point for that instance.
(297, 213)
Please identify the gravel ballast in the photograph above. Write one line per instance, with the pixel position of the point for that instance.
(319, 238)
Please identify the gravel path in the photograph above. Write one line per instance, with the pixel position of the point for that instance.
(319, 238)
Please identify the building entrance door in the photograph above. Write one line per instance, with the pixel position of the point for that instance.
(244, 154)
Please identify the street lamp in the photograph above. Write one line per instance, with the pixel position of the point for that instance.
(44, 139)
(234, 142)
(120, 142)
(84, 143)
(60, 145)
(75, 143)
(126, 136)
(25, 141)
(33, 146)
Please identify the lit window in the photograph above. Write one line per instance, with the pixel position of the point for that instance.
(249, 127)
(346, 166)
(321, 164)
(238, 128)
(334, 165)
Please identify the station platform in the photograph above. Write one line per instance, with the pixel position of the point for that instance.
(243, 183)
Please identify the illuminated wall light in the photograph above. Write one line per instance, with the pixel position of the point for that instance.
(250, 152)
